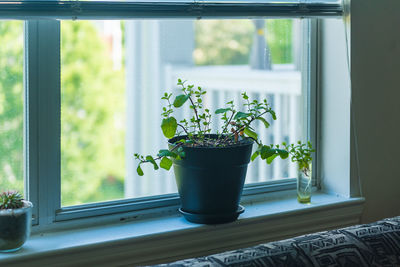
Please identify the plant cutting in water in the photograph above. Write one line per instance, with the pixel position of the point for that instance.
(301, 153)
(196, 130)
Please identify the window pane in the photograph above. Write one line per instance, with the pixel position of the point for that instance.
(11, 106)
(92, 112)
(114, 74)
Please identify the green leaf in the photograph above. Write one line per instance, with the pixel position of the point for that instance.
(168, 126)
(255, 155)
(283, 153)
(180, 152)
(273, 114)
(152, 161)
(180, 141)
(266, 123)
(271, 158)
(241, 115)
(166, 163)
(303, 165)
(250, 133)
(222, 110)
(267, 152)
(139, 171)
(180, 100)
(166, 152)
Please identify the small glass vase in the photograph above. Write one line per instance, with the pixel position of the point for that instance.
(304, 182)
(15, 227)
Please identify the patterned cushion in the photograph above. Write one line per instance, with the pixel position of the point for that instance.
(375, 244)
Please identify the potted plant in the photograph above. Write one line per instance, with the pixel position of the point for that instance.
(210, 168)
(15, 221)
(301, 154)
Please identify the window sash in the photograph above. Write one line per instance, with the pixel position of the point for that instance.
(28, 10)
(42, 100)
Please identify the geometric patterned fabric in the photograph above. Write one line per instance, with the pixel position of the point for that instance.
(375, 244)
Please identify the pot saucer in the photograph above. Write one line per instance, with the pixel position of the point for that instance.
(212, 218)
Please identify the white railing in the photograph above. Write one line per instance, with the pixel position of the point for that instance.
(282, 88)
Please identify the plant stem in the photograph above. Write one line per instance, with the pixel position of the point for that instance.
(237, 131)
(195, 113)
(229, 121)
(159, 157)
(184, 129)
(194, 107)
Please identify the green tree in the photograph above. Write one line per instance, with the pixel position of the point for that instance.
(11, 105)
(223, 42)
(93, 103)
(229, 42)
(280, 40)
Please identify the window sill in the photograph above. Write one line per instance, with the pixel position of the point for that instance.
(169, 238)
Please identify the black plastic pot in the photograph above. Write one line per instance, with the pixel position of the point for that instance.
(210, 181)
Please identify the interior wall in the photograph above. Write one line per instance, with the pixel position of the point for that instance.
(375, 77)
(334, 139)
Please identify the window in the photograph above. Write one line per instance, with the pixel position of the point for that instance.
(92, 98)
(106, 118)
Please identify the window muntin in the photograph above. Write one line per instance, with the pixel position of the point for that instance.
(11, 106)
(105, 118)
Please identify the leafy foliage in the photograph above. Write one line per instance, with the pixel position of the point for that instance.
(236, 126)
(217, 44)
(228, 42)
(90, 162)
(11, 200)
(92, 158)
(301, 153)
(11, 105)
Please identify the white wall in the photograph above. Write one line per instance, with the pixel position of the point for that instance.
(375, 75)
(334, 139)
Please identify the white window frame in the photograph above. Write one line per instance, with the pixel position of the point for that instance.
(42, 116)
(42, 134)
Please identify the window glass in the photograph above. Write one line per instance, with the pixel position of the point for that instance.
(92, 111)
(114, 74)
(11, 106)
